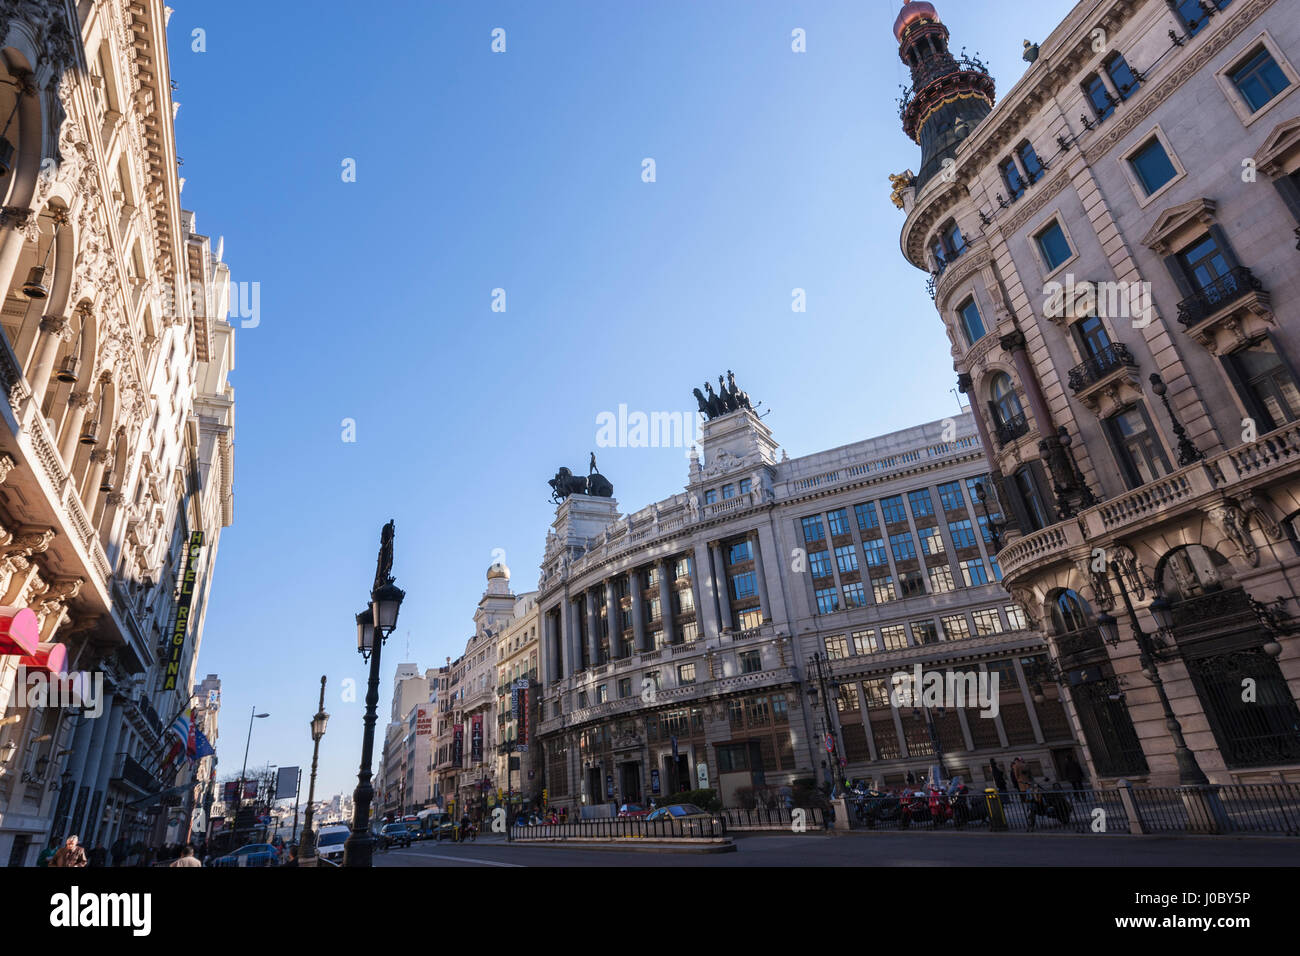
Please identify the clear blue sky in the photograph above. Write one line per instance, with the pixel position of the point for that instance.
(522, 171)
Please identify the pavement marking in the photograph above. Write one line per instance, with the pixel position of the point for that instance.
(464, 859)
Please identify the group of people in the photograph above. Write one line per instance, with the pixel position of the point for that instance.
(73, 854)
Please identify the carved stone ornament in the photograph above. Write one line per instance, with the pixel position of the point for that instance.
(1258, 507)
(27, 542)
(7, 464)
(1232, 522)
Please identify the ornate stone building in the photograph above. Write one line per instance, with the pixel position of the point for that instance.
(116, 439)
(517, 694)
(1112, 250)
(744, 634)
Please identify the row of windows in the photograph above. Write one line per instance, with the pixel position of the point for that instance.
(894, 637)
(973, 574)
(728, 491)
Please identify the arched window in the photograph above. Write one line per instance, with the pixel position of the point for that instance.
(1191, 571)
(1006, 405)
(1069, 613)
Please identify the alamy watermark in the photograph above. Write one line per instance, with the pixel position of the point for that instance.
(624, 429)
(948, 689)
(83, 689)
(1109, 300)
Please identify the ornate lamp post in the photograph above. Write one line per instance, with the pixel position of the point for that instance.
(834, 749)
(1188, 453)
(307, 850)
(373, 628)
(995, 527)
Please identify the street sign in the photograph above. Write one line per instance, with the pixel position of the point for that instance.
(830, 744)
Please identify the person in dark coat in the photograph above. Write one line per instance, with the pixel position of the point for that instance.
(99, 856)
(1073, 772)
(999, 778)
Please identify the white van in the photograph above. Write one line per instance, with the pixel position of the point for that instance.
(329, 844)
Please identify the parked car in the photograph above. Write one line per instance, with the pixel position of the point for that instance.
(691, 818)
(254, 854)
(395, 834)
(329, 844)
(632, 811)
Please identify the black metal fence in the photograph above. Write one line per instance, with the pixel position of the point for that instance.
(712, 827)
(1237, 808)
(782, 818)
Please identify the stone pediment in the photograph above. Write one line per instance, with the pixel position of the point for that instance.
(1280, 145)
(1172, 222)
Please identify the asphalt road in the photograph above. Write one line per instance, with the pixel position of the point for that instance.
(877, 849)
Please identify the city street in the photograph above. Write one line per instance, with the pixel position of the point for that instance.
(877, 849)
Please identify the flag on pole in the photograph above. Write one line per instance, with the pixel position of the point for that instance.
(199, 746)
(181, 725)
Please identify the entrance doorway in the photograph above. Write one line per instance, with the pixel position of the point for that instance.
(629, 781)
(595, 786)
(677, 773)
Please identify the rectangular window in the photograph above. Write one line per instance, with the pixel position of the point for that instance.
(657, 638)
(1029, 159)
(931, 541)
(744, 585)
(728, 491)
(985, 531)
(837, 647)
(866, 515)
(652, 609)
(751, 662)
(685, 600)
(876, 692)
(1053, 246)
(846, 558)
(903, 546)
(1139, 452)
(681, 569)
(1011, 177)
(1103, 104)
(745, 485)
(582, 699)
(828, 601)
(955, 628)
(893, 637)
(739, 552)
(690, 632)
(892, 509)
(962, 534)
(1204, 263)
(839, 521)
(882, 589)
(924, 632)
(625, 687)
(812, 528)
(854, 595)
(685, 673)
(1016, 617)
(1152, 166)
(1259, 79)
(951, 497)
(1121, 75)
(847, 698)
(875, 553)
(941, 579)
(973, 573)
(911, 585)
(748, 620)
(1270, 391)
(711, 496)
(1035, 513)
(819, 563)
(972, 325)
(922, 506)
(864, 642)
(1193, 15)
(602, 693)
(986, 621)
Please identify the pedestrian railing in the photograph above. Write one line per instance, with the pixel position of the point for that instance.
(712, 827)
(1126, 809)
(781, 818)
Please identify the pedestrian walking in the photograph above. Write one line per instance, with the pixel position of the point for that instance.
(1073, 772)
(47, 855)
(1021, 778)
(187, 858)
(71, 854)
(999, 777)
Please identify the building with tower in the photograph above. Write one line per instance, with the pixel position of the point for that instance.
(1112, 250)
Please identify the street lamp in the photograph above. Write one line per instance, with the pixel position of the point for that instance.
(307, 850)
(834, 749)
(993, 526)
(239, 788)
(1190, 773)
(385, 602)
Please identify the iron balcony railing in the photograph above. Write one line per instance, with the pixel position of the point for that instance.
(1228, 288)
(1012, 428)
(1094, 369)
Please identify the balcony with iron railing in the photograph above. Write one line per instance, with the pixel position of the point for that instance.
(1232, 308)
(1099, 370)
(1012, 428)
(1232, 286)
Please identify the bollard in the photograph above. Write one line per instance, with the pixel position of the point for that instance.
(997, 816)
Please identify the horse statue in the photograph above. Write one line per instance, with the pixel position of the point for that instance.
(742, 398)
(566, 483)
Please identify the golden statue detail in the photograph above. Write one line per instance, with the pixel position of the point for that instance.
(900, 181)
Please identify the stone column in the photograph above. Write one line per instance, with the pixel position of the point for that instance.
(593, 629)
(706, 604)
(666, 603)
(100, 459)
(1014, 342)
(760, 575)
(568, 663)
(615, 620)
(112, 715)
(54, 332)
(634, 581)
(720, 593)
(967, 387)
(80, 403)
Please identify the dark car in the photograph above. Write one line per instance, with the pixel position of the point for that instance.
(395, 834)
(690, 819)
(254, 854)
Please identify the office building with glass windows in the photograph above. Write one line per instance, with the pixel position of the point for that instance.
(1112, 250)
(743, 634)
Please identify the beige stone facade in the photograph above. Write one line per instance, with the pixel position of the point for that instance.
(116, 428)
(1129, 209)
